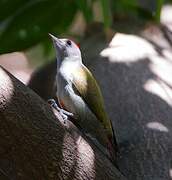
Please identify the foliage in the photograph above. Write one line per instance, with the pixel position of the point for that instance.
(158, 10)
(26, 23)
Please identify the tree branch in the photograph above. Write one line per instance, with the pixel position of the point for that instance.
(36, 144)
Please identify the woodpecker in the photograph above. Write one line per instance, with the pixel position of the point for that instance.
(79, 93)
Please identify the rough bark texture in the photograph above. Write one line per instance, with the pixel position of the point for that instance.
(135, 75)
(36, 144)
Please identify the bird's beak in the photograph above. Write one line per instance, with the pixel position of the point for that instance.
(57, 42)
(52, 36)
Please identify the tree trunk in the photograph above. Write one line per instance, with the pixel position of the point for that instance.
(36, 144)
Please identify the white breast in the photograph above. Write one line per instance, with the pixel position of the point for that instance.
(65, 92)
(68, 67)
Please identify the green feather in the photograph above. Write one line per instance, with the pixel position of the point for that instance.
(89, 90)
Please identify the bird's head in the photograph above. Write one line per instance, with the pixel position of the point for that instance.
(66, 48)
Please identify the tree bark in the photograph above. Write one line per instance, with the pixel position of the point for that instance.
(36, 144)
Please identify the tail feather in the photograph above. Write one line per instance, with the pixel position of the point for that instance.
(112, 150)
(112, 145)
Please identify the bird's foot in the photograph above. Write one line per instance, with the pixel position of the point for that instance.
(65, 114)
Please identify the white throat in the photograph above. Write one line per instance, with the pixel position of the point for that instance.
(68, 66)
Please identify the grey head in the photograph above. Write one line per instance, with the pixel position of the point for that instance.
(66, 49)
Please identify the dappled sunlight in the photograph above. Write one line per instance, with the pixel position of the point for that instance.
(76, 153)
(170, 173)
(68, 150)
(128, 48)
(166, 15)
(167, 54)
(162, 69)
(6, 87)
(157, 126)
(162, 84)
(160, 89)
(86, 157)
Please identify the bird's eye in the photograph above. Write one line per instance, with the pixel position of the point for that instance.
(69, 42)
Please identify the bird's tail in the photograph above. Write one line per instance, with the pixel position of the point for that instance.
(112, 150)
(112, 146)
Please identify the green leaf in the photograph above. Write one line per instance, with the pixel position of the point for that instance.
(85, 7)
(158, 10)
(9, 7)
(31, 23)
(132, 9)
(106, 10)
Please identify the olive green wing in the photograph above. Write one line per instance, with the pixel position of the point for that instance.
(88, 88)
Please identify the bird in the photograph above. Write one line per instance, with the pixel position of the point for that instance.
(79, 93)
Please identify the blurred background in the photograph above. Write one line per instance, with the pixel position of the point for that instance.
(24, 26)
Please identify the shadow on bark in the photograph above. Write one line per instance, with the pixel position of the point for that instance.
(141, 117)
(36, 144)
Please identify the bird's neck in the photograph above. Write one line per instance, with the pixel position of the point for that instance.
(68, 66)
